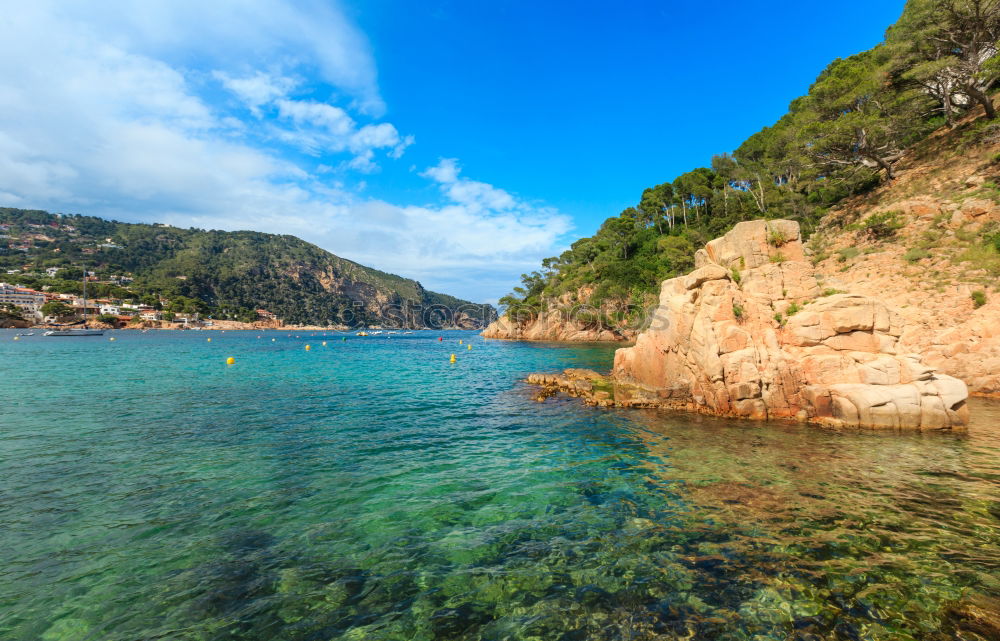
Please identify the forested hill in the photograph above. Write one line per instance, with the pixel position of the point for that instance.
(223, 274)
(937, 67)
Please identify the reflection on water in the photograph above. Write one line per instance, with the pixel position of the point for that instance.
(374, 493)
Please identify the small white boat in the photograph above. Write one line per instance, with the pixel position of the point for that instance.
(74, 332)
(28, 334)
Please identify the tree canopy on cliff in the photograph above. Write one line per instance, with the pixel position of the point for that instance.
(845, 136)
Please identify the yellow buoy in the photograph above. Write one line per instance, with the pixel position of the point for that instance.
(324, 343)
(452, 358)
(308, 348)
(17, 338)
(230, 361)
(470, 346)
(460, 341)
(208, 340)
(272, 340)
(112, 338)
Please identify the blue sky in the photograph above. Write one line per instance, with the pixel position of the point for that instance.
(449, 141)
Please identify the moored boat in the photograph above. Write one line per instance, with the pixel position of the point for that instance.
(82, 331)
(74, 332)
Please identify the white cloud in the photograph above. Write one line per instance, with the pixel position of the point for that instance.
(333, 120)
(257, 89)
(474, 195)
(375, 137)
(110, 117)
(479, 224)
(397, 151)
(234, 34)
(315, 127)
(445, 172)
(363, 162)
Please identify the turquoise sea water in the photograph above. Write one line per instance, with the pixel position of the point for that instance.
(368, 489)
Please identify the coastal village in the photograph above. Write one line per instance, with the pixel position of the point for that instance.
(44, 307)
(35, 307)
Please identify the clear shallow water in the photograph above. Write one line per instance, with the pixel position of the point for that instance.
(371, 490)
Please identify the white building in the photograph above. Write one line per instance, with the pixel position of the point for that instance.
(27, 299)
(51, 271)
(114, 310)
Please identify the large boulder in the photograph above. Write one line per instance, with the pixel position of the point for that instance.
(748, 334)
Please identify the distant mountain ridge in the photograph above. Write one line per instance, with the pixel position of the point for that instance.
(229, 273)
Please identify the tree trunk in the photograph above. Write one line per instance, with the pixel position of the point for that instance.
(758, 199)
(984, 100)
(948, 108)
(889, 173)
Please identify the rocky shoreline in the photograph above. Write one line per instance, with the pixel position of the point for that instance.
(749, 334)
(556, 323)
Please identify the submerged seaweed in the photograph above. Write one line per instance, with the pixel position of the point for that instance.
(400, 519)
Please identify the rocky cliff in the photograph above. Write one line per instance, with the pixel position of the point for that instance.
(926, 244)
(563, 319)
(749, 333)
(938, 264)
(555, 323)
(552, 325)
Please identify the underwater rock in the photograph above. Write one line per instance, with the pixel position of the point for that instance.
(978, 615)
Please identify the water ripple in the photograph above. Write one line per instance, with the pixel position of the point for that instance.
(370, 490)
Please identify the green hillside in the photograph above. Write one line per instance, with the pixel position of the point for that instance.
(938, 66)
(223, 274)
